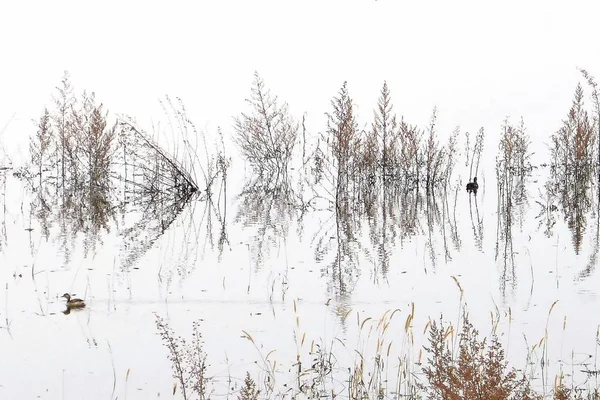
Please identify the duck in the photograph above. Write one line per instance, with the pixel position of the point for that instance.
(473, 186)
(73, 302)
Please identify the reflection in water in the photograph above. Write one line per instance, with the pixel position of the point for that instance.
(394, 182)
(393, 217)
(513, 171)
(343, 269)
(68, 310)
(547, 214)
(144, 220)
(576, 201)
(433, 216)
(570, 189)
(383, 230)
(375, 205)
(451, 218)
(476, 221)
(267, 206)
(157, 189)
(593, 258)
(3, 238)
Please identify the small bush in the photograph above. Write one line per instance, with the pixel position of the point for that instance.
(479, 372)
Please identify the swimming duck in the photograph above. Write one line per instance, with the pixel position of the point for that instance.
(473, 186)
(73, 303)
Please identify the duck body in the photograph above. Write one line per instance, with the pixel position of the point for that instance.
(473, 186)
(73, 302)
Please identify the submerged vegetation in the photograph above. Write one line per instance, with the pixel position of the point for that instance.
(373, 188)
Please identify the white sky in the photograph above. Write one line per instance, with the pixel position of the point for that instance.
(478, 61)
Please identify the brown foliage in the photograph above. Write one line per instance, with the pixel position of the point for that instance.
(188, 360)
(249, 391)
(479, 372)
(574, 141)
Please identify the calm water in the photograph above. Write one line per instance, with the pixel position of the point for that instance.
(247, 263)
(251, 263)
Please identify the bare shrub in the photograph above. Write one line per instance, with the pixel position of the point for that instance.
(267, 136)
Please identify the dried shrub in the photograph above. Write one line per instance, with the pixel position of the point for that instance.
(267, 136)
(94, 145)
(188, 360)
(480, 370)
(249, 391)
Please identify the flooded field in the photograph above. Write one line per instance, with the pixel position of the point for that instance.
(317, 281)
(399, 204)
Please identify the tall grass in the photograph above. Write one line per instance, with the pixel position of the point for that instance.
(456, 362)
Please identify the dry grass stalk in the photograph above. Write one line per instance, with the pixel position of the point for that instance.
(574, 163)
(513, 169)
